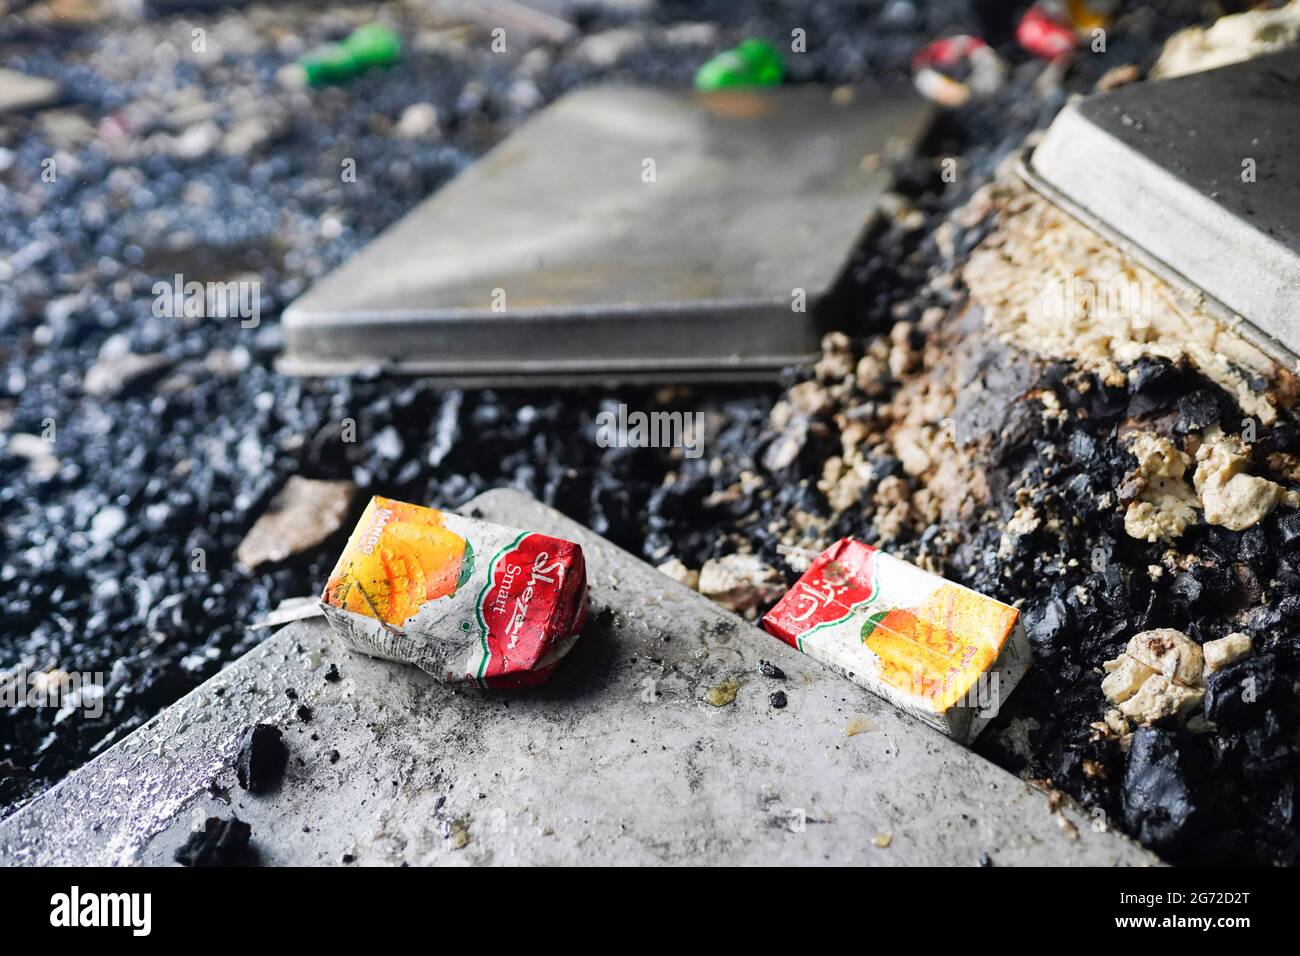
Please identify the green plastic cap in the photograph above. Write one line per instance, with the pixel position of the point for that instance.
(368, 46)
(753, 62)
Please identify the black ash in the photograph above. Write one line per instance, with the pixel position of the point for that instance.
(262, 758)
(219, 843)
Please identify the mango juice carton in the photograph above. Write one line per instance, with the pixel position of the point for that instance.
(461, 599)
(941, 652)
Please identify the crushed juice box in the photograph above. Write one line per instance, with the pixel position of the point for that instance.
(943, 653)
(461, 599)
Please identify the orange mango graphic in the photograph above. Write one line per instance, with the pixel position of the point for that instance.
(921, 650)
(400, 557)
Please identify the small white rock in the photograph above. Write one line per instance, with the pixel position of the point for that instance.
(1160, 674)
(608, 47)
(679, 572)
(1159, 697)
(106, 523)
(740, 582)
(1169, 652)
(417, 121)
(1226, 650)
(1124, 679)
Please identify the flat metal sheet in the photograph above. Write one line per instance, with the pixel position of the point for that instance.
(622, 234)
(618, 759)
(1160, 164)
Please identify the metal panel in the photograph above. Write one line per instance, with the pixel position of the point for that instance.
(606, 275)
(1161, 165)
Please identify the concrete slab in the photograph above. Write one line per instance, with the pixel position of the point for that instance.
(622, 235)
(617, 760)
(1194, 175)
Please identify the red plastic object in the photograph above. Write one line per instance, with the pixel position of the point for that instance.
(948, 51)
(1044, 36)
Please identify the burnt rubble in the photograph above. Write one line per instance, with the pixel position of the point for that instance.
(1162, 798)
(1038, 520)
(261, 760)
(1086, 588)
(219, 843)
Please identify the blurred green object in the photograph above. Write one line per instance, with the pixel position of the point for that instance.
(368, 46)
(754, 62)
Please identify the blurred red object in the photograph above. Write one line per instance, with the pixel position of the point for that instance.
(1045, 36)
(949, 70)
(948, 51)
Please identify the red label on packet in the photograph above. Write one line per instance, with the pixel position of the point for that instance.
(838, 581)
(529, 600)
